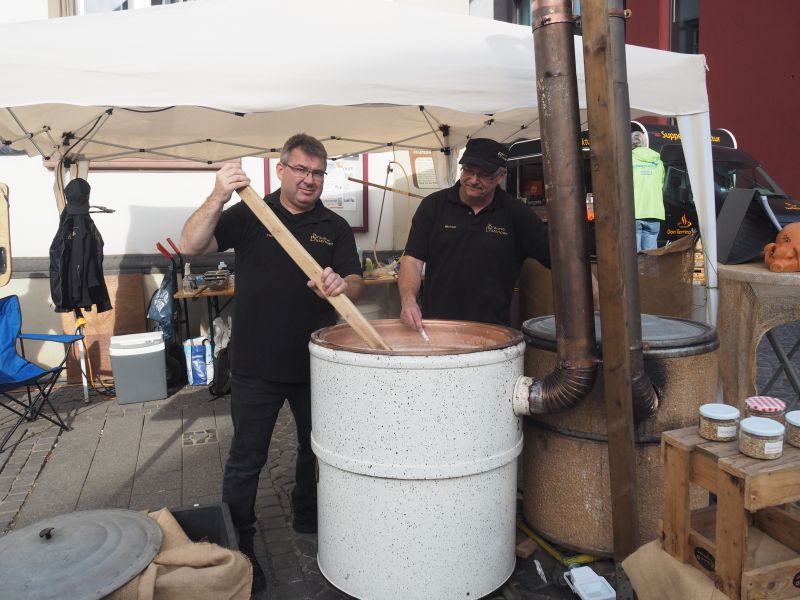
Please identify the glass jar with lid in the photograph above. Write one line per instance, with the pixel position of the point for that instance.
(793, 428)
(719, 422)
(761, 438)
(765, 406)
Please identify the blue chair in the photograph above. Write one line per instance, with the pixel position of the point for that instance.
(16, 372)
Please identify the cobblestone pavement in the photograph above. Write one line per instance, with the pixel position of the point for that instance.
(171, 453)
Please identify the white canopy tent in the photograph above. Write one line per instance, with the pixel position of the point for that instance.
(218, 79)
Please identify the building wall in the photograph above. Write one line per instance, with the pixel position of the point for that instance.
(649, 23)
(754, 73)
(754, 79)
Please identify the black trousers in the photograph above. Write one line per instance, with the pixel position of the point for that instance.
(255, 404)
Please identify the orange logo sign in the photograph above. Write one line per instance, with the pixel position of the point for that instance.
(684, 222)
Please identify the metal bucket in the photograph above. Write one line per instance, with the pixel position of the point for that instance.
(566, 489)
(417, 453)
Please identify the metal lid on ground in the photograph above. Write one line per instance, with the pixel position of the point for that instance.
(660, 335)
(81, 555)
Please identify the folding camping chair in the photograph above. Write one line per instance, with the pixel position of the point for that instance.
(16, 372)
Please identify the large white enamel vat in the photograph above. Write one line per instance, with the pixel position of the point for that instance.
(417, 454)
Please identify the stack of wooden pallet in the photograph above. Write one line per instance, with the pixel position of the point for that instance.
(752, 496)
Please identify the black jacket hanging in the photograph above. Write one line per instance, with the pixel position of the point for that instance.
(76, 255)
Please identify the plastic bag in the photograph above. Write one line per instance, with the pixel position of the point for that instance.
(199, 361)
(162, 307)
(222, 334)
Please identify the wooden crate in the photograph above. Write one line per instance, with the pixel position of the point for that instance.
(751, 493)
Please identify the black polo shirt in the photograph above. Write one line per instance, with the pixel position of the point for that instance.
(275, 312)
(473, 261)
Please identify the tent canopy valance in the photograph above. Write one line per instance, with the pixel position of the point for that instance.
(217, 79)
(213, 80)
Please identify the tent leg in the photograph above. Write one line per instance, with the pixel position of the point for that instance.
(82, 353)
(80, 322)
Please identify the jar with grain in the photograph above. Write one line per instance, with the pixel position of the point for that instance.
(793, 428)
(718, 422)
(761, 438)
(765, 406)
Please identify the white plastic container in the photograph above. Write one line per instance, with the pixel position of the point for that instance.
(417, 460)
(137, 361)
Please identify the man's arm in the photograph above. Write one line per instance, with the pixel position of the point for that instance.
(408, 284)
(198, 238)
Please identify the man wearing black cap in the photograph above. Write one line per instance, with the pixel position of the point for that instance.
(472, 239)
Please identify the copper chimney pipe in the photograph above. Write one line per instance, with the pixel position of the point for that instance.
(559, 118)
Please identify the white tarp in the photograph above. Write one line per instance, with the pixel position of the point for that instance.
(218, 79)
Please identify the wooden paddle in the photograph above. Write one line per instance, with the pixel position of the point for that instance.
(5, 237)
(310, 267)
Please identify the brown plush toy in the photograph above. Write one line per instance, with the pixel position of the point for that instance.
(783, 255)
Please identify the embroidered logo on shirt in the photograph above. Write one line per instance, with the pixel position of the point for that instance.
(498, 230)
(320, 239)
(450, 227)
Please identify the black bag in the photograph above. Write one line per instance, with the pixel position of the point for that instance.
(221, 385)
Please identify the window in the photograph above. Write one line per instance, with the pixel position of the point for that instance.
(685, 34)
(87, 7)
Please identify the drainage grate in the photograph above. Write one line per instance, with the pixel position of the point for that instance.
(204, 436)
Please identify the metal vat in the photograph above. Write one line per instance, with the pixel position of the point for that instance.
(566, 491)
(417, 452)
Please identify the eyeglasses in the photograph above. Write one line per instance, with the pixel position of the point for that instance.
(302, 172)
(469, 172)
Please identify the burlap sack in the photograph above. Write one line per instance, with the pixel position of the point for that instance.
(185, 570)
(655, 575)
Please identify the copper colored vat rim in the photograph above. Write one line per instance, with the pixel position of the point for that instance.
(446, 338)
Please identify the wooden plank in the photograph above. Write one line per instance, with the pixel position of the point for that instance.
(677, 508)
(718, 450)
(781, 525)
(777, 581)
(685, 439)
(311, 268)
(773, 487)
(731, 539)
(703, 471)
(704, 521)
(526, 548)
(5, 235)
(744, 466)
(702, 553)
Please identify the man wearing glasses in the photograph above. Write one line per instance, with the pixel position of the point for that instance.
(275, 312)
(472, 239)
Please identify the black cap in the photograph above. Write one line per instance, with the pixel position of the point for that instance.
(77, 196)
(485, 153)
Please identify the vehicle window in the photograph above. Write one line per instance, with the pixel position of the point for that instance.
(676, 187)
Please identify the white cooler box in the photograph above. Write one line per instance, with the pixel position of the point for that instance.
(137, 361)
